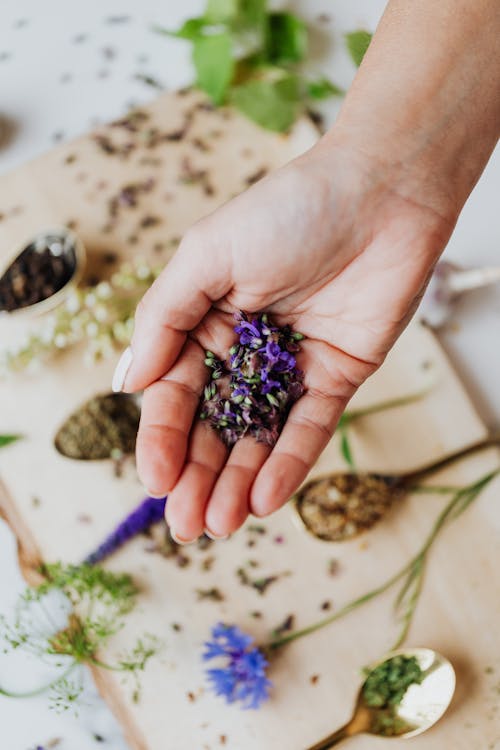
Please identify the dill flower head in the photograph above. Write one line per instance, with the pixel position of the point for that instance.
(252, 392)
(242, 678)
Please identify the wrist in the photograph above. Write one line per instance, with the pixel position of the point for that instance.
(425, 107)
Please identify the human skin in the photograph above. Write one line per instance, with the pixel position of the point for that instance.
(340, 243)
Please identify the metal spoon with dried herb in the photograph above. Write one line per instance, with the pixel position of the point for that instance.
(339, 506)
(387, 708)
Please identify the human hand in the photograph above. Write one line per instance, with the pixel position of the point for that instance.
(329, 245)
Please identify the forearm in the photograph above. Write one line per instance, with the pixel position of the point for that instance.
(426, 101)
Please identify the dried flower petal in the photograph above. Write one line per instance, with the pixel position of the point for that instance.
(257, 386)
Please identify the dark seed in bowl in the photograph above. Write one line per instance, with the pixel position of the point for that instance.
(41, 270)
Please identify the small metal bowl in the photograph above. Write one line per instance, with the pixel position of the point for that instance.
(60, 242)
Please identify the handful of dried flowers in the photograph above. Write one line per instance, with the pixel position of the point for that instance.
(253, 392)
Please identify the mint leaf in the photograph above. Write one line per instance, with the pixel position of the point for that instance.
(191, 29)
(222, 11)
(287, 39)
(357, 44)
(8, 439)
(323, 88)
(213, 60)
(272, 104)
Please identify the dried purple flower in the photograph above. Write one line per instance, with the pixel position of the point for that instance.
(257, 386)
(145, 515)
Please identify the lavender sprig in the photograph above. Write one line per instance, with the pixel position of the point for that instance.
(145, 515)
(253, 392)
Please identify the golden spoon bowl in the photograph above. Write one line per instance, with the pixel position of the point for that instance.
(420, 708)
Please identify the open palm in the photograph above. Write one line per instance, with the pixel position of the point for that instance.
(327, 245)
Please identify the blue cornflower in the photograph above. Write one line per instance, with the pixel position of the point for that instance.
(243, 678)
(145, 515)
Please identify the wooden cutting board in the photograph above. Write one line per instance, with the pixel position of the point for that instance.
(460, 607)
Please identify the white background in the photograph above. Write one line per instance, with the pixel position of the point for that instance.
(63, 68)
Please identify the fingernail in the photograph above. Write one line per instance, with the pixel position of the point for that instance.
(121, 370)
(214, 537)
(180, 541)
(154, 495)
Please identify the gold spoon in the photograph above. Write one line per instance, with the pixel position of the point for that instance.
(339, 506)
(421, 707)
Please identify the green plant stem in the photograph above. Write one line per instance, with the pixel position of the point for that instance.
(415, 569)
(41, 690)
(393, 403)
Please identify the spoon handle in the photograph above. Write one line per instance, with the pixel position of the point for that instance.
(419, 474)
(333, 739)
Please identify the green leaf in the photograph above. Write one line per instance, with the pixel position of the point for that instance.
(8, 439)
(271, 104)
(323, 88)
(191, 29)
(252, 13)
(222, 11)
(213, 60)
(287, 39)
(345, 448)
(357, 44)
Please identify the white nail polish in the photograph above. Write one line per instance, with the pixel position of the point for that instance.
(214, 537)
(154, 495)
(121, 370)
(182, 542)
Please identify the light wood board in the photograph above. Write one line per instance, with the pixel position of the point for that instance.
(460, 607)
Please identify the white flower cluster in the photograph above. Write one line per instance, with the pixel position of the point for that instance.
(100, 316)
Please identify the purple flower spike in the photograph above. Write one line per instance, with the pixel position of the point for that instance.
(256, 390)
(243, 677)
(145, 515)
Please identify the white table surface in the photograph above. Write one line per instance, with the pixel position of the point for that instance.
(65, 66)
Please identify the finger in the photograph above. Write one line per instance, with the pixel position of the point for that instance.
(185, 509)
(228, 506)
(168, 409)
(309, 427)
(173, 306)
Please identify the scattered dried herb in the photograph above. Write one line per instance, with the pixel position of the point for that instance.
(284, 627)
(213, 594)
(150, 81)
(103, 425)
(260, 584)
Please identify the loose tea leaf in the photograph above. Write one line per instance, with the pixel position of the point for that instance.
(101, 427)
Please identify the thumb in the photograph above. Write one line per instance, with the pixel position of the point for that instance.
(175, 304)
